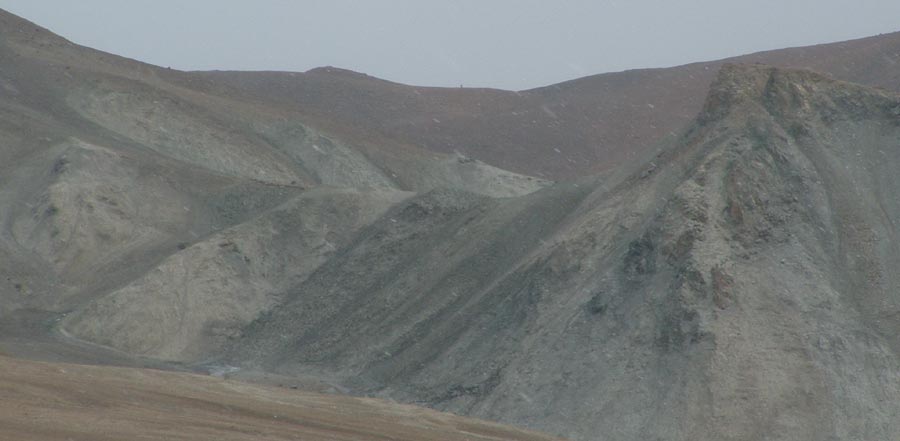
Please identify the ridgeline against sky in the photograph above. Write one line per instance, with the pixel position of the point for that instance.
(507, 44)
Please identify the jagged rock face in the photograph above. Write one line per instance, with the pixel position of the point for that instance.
(769, 318)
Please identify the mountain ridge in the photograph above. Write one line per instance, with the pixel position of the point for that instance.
(595, 122)
(677, 294)
(733, 280)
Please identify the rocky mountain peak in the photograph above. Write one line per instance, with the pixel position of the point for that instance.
(792, 94)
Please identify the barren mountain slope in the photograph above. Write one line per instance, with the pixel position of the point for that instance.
(198, 298)
(171, 218)
(739, 286)
(559, 131)
(107, 168)
(60, 402)
(182, 116)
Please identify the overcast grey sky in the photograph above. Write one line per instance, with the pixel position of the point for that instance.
(510, 44)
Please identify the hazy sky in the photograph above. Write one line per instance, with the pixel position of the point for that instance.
(511, 44)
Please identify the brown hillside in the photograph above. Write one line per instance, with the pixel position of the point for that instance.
(61, 402)
(559, 131)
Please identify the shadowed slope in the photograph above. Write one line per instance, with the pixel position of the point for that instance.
(204, 295)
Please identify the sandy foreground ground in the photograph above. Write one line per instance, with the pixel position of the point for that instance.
(53, 401)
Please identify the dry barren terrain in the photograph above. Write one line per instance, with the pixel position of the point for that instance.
(63, 402)
(714, 259)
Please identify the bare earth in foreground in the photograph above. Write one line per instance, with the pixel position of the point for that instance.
(43, 401)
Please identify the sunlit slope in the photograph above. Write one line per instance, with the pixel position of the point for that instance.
(60, 402)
